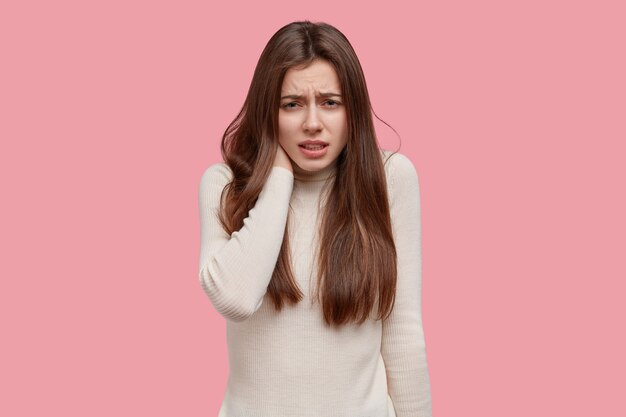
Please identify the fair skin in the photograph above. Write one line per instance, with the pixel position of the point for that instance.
(313, 109)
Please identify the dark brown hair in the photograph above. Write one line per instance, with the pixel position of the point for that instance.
(356, 253)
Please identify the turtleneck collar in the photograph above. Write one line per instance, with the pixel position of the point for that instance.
(314, 176)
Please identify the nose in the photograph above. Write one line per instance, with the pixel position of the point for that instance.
(312, 122)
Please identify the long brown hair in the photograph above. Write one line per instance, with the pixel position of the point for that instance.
(356, 253)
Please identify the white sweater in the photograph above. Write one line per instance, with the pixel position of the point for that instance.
(291, 364)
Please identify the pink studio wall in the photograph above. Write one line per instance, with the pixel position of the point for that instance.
(513, 113)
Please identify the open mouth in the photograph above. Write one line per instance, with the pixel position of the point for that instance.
(313, 147)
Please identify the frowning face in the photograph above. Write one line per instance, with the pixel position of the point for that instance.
(311, 108)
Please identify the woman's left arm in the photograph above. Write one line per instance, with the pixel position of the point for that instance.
(403, 347)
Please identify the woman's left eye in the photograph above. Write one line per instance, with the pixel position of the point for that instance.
(332, 102)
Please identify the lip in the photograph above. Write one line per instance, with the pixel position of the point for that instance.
(309, 153)
(313, 142)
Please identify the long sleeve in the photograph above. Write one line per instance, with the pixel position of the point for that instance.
(403, 346)
(235, 270)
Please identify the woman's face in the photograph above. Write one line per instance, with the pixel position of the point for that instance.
(311, 108)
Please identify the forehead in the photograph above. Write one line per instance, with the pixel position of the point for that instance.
(320, 75)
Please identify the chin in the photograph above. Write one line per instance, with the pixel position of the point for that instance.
(312, 166)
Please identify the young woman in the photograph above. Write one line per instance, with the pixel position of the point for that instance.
(311, 243)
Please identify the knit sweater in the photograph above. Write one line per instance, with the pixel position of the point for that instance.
(290, 363)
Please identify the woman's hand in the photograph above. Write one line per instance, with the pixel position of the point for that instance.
(282, 159)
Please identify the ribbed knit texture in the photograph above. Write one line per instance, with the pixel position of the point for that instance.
(291, 364)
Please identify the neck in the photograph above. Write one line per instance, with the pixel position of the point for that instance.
(320, 175)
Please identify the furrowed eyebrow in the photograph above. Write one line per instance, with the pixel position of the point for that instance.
(298, 96)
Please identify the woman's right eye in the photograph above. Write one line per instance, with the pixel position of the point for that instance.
(288, 105)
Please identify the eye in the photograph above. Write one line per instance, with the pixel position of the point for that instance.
(333, 103)
(288, 105)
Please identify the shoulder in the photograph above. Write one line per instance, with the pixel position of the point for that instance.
(399, 169)
(216, 175)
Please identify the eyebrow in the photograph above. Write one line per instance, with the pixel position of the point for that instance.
(298, 96)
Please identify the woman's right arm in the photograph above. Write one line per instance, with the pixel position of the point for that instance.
(235, 270)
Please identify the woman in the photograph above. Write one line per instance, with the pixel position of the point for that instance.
(311, 243)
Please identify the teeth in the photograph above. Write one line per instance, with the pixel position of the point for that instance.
(313, 147)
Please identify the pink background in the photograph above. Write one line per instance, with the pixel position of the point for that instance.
(513, 113)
